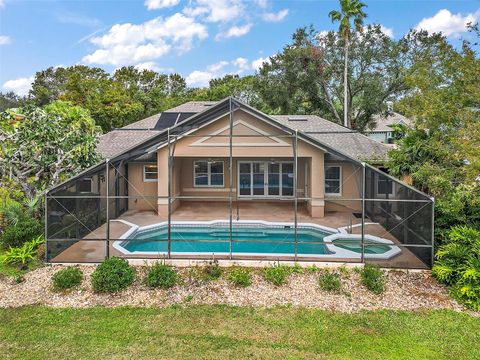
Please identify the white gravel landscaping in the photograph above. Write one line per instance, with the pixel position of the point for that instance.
(404, 291)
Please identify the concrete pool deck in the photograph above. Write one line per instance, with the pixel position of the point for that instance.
(93, 248)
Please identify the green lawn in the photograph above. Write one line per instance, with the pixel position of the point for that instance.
(227, 332)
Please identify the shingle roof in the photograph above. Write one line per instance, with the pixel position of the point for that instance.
(338, 137)
(331, 134)
(384, 122)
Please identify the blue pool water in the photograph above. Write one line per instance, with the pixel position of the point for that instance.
(205, 239)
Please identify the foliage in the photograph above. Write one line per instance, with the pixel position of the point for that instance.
(441, 153)
(22, 256)
(330, 281)
(306, 77)
(10, 100)
(212, 271)
(113, 275)
(458, 264)
(240, 277)
(277, 274)
(161, 276)
(67, 278)
(373, 278)
(23, 230)
(41, 147)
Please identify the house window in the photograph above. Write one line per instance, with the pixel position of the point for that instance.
(84, 185)
(150, 173)
(333, 176)
(384, 184)
(208, 173)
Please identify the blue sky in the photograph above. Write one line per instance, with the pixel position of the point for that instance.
(200, 39)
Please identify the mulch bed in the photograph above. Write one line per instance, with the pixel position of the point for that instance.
(404, 291)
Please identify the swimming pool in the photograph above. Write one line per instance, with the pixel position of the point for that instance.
(252, 238)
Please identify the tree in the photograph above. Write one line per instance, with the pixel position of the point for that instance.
(349, 9)
(441, 153)
(306, 77)
(10, 100)
(41, 147)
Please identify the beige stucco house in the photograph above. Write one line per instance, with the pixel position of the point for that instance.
(262, 158)
(187, 182)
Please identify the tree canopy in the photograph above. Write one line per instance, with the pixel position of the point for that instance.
(307, 75)
(42, 146)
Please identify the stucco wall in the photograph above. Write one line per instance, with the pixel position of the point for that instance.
(138, 187)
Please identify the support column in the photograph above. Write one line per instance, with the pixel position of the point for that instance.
(295, 192)
(107, 178)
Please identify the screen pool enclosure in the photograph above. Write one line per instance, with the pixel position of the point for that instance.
(256, 207)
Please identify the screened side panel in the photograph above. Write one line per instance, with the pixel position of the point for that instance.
(401, 215)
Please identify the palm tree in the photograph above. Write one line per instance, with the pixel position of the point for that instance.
(350, 9)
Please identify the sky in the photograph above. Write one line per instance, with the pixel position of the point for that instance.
(200, 39)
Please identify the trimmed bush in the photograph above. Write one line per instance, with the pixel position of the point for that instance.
(67, 278)
(277, 274)
(26, 229)
(457, 265)
(330, 281)
(114, 274)
(240, 277)
(373, 278)
(161, 276)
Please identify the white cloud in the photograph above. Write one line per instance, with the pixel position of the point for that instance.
(129, 43)
(66, 17)
(275, 17)
(216, 10)
(387, 31)
(160, 4)
(19, 86)
(262, 3)
(234, 31)
(447, 23)
(2, 3)
(242, 64)
(4, 40)
(257, 64)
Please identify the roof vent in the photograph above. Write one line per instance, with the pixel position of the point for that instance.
(297, 118)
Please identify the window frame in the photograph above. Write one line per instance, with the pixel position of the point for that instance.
(209, 174)
(385, 179)
(149, 172)
(340, 175)
(86, 178)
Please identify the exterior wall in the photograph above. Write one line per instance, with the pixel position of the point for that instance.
(311, 167)
(272, 144)
(138, 187)
(351, 186)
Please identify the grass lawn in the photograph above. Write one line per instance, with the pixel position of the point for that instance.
(197, 332)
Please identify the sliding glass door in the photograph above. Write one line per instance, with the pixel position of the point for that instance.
(265, 179)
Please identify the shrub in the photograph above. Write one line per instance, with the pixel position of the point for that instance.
(240, 277)
(212, 271)
(23, 255)
(67, 278)
(373, 278)
(161, 276)
(330, 281)
(457, 264)
(276, 274)
(114, 274)
(24, 230)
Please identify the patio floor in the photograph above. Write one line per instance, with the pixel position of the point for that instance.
(93, 249)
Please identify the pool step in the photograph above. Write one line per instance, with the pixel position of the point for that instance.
(226, 234)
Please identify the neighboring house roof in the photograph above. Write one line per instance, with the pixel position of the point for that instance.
(336, 136)
(383, 122)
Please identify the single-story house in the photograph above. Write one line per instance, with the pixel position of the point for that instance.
(308, 187)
